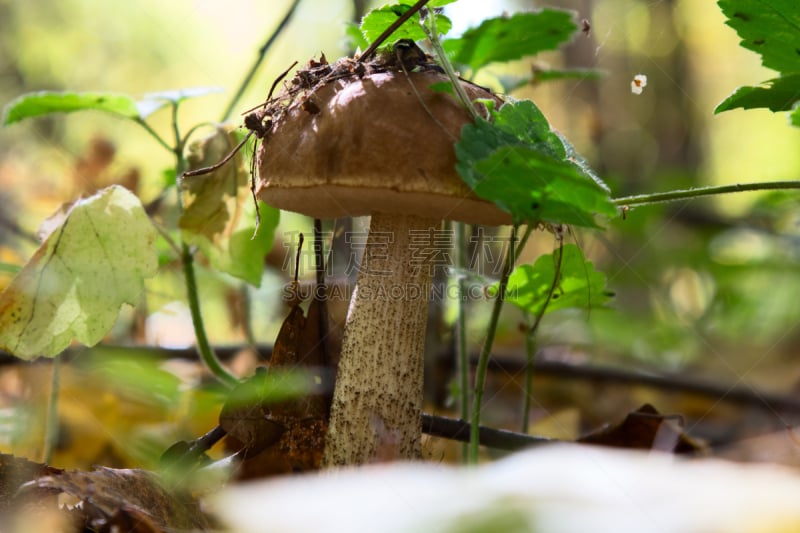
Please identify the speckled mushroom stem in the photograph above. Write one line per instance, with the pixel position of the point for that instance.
(377, 403)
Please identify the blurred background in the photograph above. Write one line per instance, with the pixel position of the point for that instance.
(705, 289)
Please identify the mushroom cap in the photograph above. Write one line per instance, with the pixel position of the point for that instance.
(368, 144)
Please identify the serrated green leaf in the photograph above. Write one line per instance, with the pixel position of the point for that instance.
(75, 283)
(510, 38)
(46, 102)
(376, 21)
(578, 160)
(579, 284)
(525, 168)
(779, 94)
(535, 187)
(771, 28)
(219, 214)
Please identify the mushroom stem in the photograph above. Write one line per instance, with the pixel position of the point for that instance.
(377, 402)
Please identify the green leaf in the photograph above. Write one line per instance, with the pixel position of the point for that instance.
(75, 283)
(510, 38)
(779, 94)
(771, 28)
(376, 21)
(794, 116)
(579, 284)
(219, 215)
(528, 170)
(535, 187)
(46, 102)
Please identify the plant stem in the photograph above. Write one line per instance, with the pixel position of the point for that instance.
(684, 194)
(262, 53)
(483, 360)
(433, 35)
(153, 134)
(462, 356)
(51, 428)
(530, 342)
(204, 348)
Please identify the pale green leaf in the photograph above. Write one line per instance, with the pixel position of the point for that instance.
(75, 283)
(47, 102)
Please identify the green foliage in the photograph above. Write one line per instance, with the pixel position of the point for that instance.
(778, 94)
(510, 38)
(771, 28)
(74, 285)
(520, 164)
(219, 215)
(46, 102)
(377, 20)
(578, 285)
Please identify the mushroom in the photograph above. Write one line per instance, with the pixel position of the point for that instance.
(362, 141)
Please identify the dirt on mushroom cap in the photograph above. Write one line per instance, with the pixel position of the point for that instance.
(352, 138)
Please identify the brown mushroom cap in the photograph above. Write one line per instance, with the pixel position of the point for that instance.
(365, 145)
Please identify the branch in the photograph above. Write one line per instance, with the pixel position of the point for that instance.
(685, 194)
(459, 430)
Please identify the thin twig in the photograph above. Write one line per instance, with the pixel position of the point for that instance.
(215, 166)
(262, 53)
(460, 430)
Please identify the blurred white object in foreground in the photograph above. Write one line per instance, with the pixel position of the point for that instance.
(554, 489)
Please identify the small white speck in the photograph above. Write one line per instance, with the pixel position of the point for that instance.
(638, 84)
